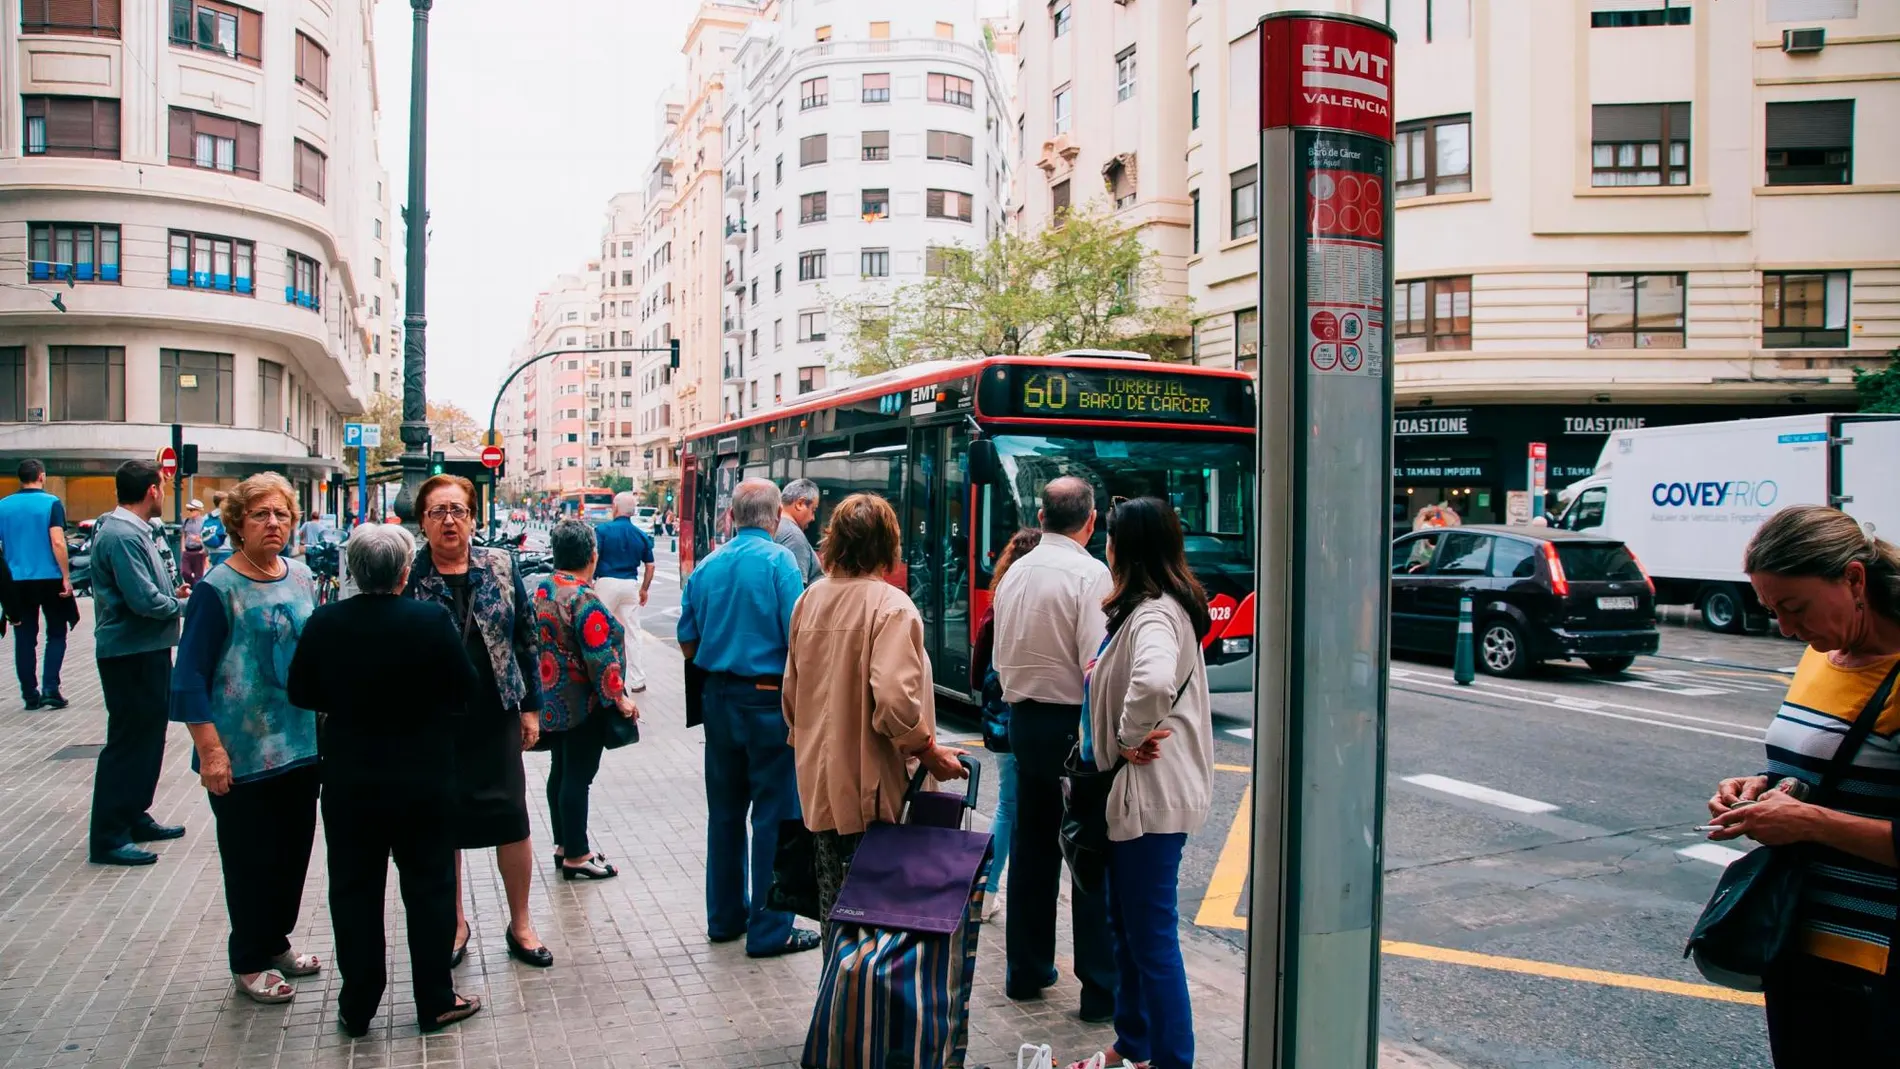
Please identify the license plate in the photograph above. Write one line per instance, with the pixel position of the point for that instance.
(1616, 603)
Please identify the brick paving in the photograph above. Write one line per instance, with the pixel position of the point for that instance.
(125, 967)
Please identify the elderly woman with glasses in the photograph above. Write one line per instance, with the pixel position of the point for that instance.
(390, 678)
(489, 606)
(255, 748)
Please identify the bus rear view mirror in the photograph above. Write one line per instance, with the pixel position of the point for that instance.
(983, 462)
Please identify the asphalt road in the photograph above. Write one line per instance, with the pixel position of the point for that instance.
(1534, 828)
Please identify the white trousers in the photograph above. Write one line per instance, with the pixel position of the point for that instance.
(622, 598)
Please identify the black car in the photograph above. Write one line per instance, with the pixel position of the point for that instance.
(1537, 594)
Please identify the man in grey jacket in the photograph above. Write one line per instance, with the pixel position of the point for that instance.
(799, 503)
(135, 629)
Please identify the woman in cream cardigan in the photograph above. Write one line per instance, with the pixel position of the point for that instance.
(1146, 701)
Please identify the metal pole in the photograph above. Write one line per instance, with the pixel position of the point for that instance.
(415, 395)
(1325, 483)
(362, 485)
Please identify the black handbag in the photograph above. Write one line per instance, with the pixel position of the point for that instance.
(1750, 919)
(1085, 789)
(794, 871)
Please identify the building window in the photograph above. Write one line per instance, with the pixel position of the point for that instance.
(939, 259)
(1432, 156)
(1194, 98)
(1120, 180)
(1639, 145)
(194, 387)
(950, 89)
(813, 149)
(947, 204)
(1247, 337)
(85, 383)
(79, 127)
(1194, 202)
(811, 265)
(876, 89)
(213, 143)
(13, 384)
(876, 204)
(814, 93)
(77, 18)
(303, 282)
(874, 263)
(210, 262)
(1624, 13)
(946, 30)
(811, 208)
(1431, 315)
(811, 326)
(1811, 143)
(778, 334)
(823, 34)
(1059, 121)
(778, 279)
(880, 31)
(1059, 18)
(778, 170)
(210, 26)
(1125, 73)
(1637, 311)
(313, 66)
(1059, 199)
(876, 145)
(778, 110)
(270, 396)
(811, 378)
(309, 175)
(944, 145)
(80, 252)
(1803, 309)
(1244, 202)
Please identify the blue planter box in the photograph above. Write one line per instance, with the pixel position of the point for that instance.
(42, 270)
(180, 277)
(244, 286)
(109, 272)
(84, 272)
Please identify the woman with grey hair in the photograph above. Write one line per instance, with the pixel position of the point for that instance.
(582, 685)
(390, 679)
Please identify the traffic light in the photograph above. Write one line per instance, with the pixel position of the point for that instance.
(435, 463)
(674, 345)
(187, 460)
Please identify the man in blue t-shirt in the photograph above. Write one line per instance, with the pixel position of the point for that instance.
(624, 551)
(33, 531)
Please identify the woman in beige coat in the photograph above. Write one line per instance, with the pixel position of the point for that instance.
(857, 690)
(1146, 701)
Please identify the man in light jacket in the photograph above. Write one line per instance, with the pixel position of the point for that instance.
(136, 628)
(1049, 626)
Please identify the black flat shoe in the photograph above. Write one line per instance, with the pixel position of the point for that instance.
(54, 700)
(540, 957)
(465, 1007)
(594, 868)
(461, 949)
(353, 1031)
(800, 942)
(124, 855)
(156, 832)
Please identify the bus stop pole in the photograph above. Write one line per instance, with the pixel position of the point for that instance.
(1325, 488)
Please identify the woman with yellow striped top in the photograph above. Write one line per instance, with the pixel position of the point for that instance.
(1833, 1000)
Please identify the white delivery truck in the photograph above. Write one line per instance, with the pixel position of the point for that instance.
(1687, 499)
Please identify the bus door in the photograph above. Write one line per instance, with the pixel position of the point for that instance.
(937, 550)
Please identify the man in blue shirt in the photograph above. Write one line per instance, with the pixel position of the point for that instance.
(624, 550)
(33, 531)
(735, 625)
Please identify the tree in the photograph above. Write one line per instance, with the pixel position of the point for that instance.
(615, 481)
(1879, 390)
(1087, 283)
(447, 423)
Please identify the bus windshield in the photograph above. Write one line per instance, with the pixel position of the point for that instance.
(1210, 485)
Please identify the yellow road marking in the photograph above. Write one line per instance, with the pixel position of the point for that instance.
(1569, 972)
(1220, 906)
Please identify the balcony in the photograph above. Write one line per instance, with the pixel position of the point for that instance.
(735, 280)
(735, 183)
(735, 326)
(735, 233)
(735, 372)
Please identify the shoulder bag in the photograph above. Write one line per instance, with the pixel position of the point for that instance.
(1750, 919)
(1085, 789)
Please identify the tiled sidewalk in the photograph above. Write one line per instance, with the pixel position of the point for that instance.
(125, 967)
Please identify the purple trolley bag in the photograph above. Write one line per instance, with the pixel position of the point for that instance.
(900, 962)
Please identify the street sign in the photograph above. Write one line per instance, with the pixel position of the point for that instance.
(372, 435)
(168, 462)
(492, 456)
(352, 435)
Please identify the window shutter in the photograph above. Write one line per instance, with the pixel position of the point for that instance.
(68, 124)
(64, 14)
(105, 128)
(1811, 124)
(106, 14)
(1628, 122)
(933, 202)
(180, 150)
(247, 149)
(250, 35)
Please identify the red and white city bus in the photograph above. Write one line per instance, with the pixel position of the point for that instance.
(961, 449)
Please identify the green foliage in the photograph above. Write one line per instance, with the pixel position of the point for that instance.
(447, 424)
(615, 481)
(1087, 284)
(1879, 390)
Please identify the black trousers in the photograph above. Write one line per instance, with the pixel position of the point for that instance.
(266, 829)
(1826, 1015)
(362, 829)
(1040, 735)
(137, 690)
(574, 760)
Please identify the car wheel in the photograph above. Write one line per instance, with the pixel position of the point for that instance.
(1501, 649)
(1721, 610)
(1609, 666)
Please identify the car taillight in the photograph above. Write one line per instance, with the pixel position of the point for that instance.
(1640, 568)
(1559, 585)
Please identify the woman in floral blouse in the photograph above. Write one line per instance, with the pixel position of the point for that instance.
(581, 685)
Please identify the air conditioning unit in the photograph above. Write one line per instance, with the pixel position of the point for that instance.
(1808, 39)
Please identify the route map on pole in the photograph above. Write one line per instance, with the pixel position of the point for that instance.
(1343, 236)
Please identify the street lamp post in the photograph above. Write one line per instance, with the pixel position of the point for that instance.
(415, 396)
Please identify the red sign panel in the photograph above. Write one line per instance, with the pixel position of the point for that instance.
(1327, 71)
(168, 462)
(492, 456)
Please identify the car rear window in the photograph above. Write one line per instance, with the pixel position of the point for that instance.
(1598, 562)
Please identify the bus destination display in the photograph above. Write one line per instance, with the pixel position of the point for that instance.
(1090, 393)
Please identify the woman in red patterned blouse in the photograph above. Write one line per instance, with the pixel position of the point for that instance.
(581, 686)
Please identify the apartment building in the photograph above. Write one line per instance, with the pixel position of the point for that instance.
(612, 376)
(184, 192)
(384, 294)
(655, 453)
(1609, 213)
(859, 140)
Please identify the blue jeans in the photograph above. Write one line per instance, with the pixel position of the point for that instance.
(1003, 827)
(37, 600)
(1153, 1021)
(748, 766)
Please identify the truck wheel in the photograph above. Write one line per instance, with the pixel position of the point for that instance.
(1502, 650)
(1609, 667)
(1721, 610)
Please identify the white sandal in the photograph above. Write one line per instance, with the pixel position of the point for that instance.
(270, 987)
(293, 964)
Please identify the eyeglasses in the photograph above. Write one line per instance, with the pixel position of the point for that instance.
(448, 512)
(268, 515)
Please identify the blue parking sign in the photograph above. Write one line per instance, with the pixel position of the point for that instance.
(352, 435)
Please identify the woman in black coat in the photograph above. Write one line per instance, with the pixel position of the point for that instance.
(389, 677)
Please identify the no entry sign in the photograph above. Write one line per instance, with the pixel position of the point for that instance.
(168, 462)
(492, 456)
